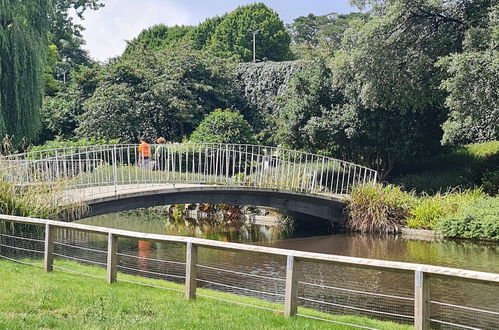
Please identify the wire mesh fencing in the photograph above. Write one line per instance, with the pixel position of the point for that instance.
(463, 304)
(285, 281)
(352, 290)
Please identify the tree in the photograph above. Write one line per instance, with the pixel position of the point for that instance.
(260, 86)
(201, 34)
(24, 29)
(157, 37)
(309, 95)
(65, 34)
(223, 126)
(472, 85)
(324, 30)
(163, 93)
(233, 37)
(61, 112)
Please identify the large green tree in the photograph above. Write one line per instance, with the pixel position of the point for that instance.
(233, 37)
(163, 93)
(24, 27)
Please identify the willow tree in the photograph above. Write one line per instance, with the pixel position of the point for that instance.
(24, 29)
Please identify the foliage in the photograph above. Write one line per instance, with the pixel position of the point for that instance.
(223, 126)
(23, 48)
(375, 208)
(233, 38)
(163, 93)
(66, 35)
(39, 201)
(476, 221)
(309, 96)
(429, 210)
(61, 112)
(472, 84)
(261, 85)
(473, 98)
(201, 35)
(157, 37)
(490, 182)
(51, 84)
(58, 144)
(463, 167)
(320, 31)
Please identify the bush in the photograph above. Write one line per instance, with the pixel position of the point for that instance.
(490, 183)
(57, 144)
(476, 221)
(379, 209)
(429, 210)
(223, 126)
(464, 168)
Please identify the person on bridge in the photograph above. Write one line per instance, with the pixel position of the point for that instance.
(144, 153)
(160, 154)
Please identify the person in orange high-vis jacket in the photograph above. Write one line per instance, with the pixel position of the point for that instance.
(144, 153)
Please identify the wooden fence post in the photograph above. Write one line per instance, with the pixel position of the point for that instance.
(112, 257)
(48, 260)
(291, 294)
(421, 301)
(190, 271)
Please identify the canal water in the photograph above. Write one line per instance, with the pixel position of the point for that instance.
(331, 288)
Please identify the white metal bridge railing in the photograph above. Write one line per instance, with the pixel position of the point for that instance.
(109, 168)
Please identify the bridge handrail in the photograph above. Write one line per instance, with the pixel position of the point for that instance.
(270, 166)
(111, 146)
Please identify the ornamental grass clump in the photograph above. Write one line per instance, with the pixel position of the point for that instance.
(378, 208)
(39, 201)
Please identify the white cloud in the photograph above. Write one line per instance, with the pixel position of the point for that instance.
(107, 28)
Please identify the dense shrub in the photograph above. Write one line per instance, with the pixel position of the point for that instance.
(429, 210)
(378, 209)
(464, 167)
(478, 220)
(223, 126)
(490, 183)
(57, 144)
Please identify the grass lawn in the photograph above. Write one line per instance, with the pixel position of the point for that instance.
(31, 298)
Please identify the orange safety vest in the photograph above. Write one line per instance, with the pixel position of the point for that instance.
(144, 150)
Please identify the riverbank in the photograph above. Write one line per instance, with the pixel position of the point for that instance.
(30, 298)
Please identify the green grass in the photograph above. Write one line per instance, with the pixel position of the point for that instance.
(30, 298)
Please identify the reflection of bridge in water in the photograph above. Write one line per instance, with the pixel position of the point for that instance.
(112, 178)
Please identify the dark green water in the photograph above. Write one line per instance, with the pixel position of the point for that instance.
(483, 256)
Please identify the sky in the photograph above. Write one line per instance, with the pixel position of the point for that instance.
(107, 29)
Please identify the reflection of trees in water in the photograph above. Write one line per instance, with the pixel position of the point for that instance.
(211, 225)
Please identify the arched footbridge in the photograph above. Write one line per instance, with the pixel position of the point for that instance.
(110, 178)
